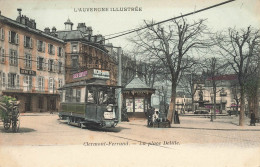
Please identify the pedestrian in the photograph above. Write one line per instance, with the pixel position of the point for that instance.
(156, 116)
(252, 121)
(176, 118)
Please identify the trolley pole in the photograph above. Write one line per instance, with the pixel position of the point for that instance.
(119, 83)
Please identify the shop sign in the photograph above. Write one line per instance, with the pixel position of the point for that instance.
(27, 72)
(101, 74)
(80, 74)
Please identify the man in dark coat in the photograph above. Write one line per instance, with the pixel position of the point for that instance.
(252, 121)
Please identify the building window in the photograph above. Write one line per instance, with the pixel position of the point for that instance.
(27, 42)
(51, 84)
(28, 82)
(40, 63)
(40, 46)
(74, 48)
(13, 59)
(51, 65)
(13, 80)
(13, 37)
(60, 83)
(28, 61)
(51, 49)
(2, 34)
(74, 61)
(3, 79)
(41, 83)
(2, 55)
(60, 67)
(60, 51)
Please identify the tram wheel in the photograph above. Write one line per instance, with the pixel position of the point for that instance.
(6, 125)
(15, 125)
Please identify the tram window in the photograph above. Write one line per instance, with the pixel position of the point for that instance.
(68, 95)
(78, 92)
(111, 99)
(91, 96)
(103, 97)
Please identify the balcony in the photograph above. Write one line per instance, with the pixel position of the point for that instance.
(28, 89)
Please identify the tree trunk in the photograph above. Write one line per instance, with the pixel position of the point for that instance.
(192, 104)
(171, 111)
(242, 106)
(214, 94)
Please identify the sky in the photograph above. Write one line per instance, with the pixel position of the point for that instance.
(49, 13)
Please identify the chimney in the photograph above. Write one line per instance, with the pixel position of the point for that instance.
(89, 31)
(82, 27)
(47, 30)
(19, 15)
(53, 29)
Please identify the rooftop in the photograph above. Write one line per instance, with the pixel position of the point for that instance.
(136, 83)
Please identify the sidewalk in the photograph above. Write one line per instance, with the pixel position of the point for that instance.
(221, 123)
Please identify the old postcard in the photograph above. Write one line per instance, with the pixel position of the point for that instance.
(129, 83)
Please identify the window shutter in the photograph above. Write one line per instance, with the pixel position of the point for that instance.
(24, 40)
(38, 45)
(38, 83)
(2, 55)
(49, 48)
(38, 63)
(44, 64)
(9, 80)
(17, 38)
(31, 43)
(62, 52)
(18, 81)
(9, 37)
(25, 60)
(2, 34)
(43, 86)
(53, 50)
(58, 51)
(49, 65)
(3, 79)
(43, 47)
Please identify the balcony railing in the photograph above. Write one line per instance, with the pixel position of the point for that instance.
(28, 89)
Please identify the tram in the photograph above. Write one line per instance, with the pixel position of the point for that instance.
(88, 103)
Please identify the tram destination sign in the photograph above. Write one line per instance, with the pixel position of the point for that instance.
(27, 72)
(80, 74)
(100, 74)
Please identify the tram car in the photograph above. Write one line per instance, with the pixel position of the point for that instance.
(89, 103)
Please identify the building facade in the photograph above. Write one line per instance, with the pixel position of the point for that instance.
(226, 93)
(31, 64)
(86, 54)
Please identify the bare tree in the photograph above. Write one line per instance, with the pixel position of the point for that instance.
(174, 45)
(215, 66)
(188, 83)
(240, 49)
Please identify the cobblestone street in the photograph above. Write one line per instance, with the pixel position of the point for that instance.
(46, 140)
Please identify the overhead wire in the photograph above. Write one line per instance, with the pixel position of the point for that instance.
(126, 32)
